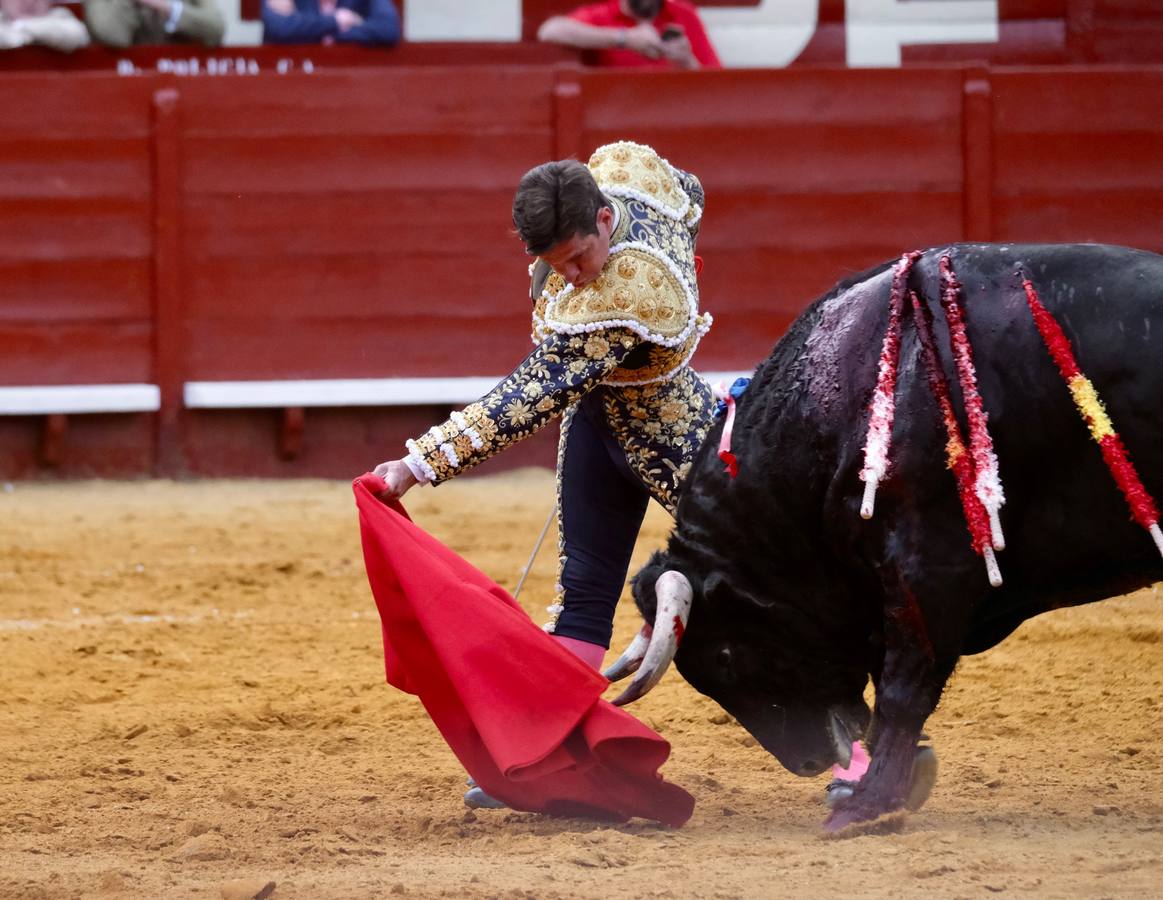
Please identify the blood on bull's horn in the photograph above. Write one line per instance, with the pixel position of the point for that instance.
(674, 595)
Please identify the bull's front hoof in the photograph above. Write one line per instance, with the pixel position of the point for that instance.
(924, 777)
(859, 809)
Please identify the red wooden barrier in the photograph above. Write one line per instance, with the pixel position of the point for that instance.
(1083, 166)
(75, 232)
(356, 223)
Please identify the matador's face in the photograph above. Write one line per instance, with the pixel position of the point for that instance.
(580, 259)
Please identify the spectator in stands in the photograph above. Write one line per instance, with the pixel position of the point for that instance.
(373, 23)
(643, 33)
(24, 22)
(121, 23)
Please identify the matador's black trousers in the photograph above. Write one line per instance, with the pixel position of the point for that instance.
(602, 505)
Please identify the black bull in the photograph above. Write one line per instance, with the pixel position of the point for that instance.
(798, 601)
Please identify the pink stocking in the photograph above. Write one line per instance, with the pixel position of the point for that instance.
(856, 768)
(590, 654)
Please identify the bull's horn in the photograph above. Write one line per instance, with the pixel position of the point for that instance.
(631, 659)
(674, 595)
(841, 738)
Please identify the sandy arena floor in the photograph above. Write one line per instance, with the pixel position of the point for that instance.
(191, 694)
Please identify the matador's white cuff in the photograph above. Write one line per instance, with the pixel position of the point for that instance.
(416, 471)
(422, 472)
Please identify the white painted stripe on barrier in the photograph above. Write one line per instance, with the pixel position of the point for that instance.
(713, 378)
(39, 400)
(353, 391)
(336, 392)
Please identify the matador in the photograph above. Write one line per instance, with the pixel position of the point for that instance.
(615, 321)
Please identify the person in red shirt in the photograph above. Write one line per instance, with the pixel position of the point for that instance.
(657, 34)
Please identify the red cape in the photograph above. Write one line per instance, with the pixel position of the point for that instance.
(522, 714)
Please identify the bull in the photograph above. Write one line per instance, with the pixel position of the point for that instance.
(791, 601)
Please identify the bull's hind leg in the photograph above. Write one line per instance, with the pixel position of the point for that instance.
(907, 692)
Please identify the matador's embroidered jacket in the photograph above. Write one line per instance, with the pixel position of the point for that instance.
(629, 334)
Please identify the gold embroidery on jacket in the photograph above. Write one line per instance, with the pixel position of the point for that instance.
(629, 165)
(634, 286)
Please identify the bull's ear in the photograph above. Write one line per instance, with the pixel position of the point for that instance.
(721, 591)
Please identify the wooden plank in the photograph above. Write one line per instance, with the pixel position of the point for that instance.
(357, 285)
(384, 102)
(1131, 11)
(796, 99)
(1128, 217)
(59, 229)
(75, 353)
(74, 168)
(752, 280)
(1138, 42)
(823, 159)
(421, 221)
(809, 221)
(1068, 163)
(169, 263)
(385, 347)
(742, 348)
(1096, 101)
(384, 162)
(98, 446)
(92, 107)
(60, 290)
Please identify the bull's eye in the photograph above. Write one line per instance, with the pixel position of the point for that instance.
(723, 660)
(725, 666)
